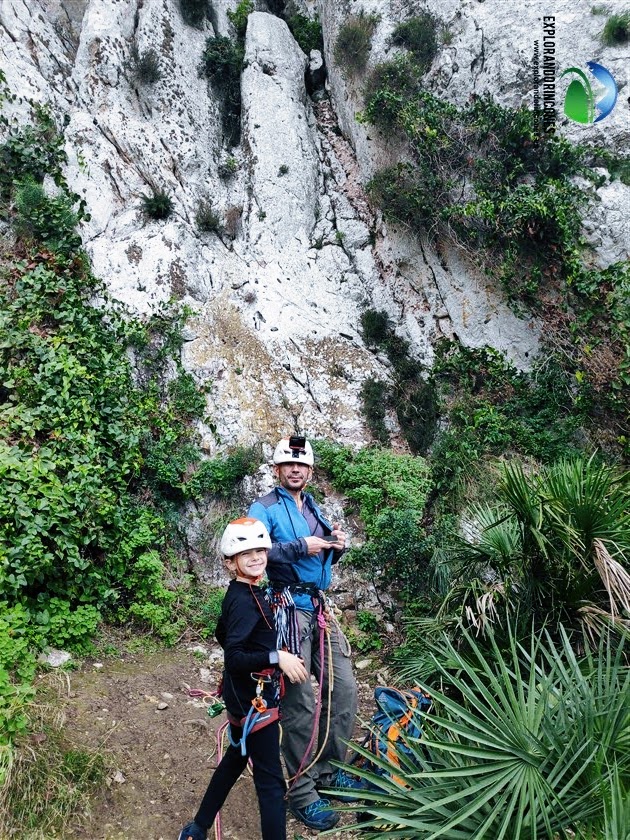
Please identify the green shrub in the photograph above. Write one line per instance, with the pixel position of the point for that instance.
(419, 36)
(354, 41)
(211, 611)
(220, 476)
(206, 217)
(494, 408)
(406, 194)
(376, 327)
(377, 479)
(415, 401)
(158, 205)
(222, 63)
(413, 398)
(307, 32)
(193, 12)
(238, 18)
(228, 168)
(374, 402)
(32, 151)
(386, 90)
(187, 401)
(74, 424)
(366, 638)
(222, 59)
(144, 67)
(391, 491)
(67, 626)
(617, 29)
(398, 553)
(52, 221)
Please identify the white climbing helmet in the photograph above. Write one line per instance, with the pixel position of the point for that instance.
(244, 534)
(294, 450)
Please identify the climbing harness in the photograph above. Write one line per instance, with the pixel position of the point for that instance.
(258, 715)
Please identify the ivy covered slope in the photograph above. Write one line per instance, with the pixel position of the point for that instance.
(95, 452)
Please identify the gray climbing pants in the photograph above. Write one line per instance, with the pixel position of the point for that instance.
(336, 722)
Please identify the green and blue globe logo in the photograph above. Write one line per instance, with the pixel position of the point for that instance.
(589, 100)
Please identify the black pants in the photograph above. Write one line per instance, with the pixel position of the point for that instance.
(263, 747)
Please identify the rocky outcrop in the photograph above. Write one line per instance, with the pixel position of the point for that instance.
(486, 48)
(277, 289)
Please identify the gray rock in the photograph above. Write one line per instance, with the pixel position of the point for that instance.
(54, 658)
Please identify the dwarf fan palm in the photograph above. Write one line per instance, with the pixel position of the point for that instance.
(533, 746)
(556, 546)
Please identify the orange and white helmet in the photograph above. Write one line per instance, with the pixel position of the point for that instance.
(294, 450)
(244, 534)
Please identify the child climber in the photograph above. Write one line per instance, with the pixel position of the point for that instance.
(251, 685)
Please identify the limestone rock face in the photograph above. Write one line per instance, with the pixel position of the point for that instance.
(488, 49)
(296, 252)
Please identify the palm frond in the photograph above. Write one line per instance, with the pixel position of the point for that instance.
(516, 747)
(615, 578)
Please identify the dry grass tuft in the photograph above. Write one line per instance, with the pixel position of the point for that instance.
(48, 783)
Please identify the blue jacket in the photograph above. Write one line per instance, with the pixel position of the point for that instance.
(288, 559)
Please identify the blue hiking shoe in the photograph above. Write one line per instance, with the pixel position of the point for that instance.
(318, 815)
(192, 832)
(347, 787)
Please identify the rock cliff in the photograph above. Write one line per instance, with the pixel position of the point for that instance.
(277, 289)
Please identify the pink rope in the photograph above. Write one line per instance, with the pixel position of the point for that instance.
(220, 731)
(321, 623)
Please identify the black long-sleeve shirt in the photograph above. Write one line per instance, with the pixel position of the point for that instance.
(247, 634)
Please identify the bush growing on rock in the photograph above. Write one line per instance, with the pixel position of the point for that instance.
(49, 220)
(307, 32)
(374, 403)
(232, 221)
(206, 217)
(354, 42)
(228, 167)
(144, 67)
(419, 36)
(617, 30)
(193, 11)
(158, 205)
(238, 18)
(222, 63)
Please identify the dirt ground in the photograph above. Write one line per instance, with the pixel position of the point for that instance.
(160, 744)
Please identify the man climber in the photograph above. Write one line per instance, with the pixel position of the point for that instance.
(304, 548)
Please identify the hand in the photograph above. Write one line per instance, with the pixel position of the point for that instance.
(292, 666)
(341, 537)
(316, 544)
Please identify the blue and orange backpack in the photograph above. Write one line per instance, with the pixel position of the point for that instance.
(391, 726)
